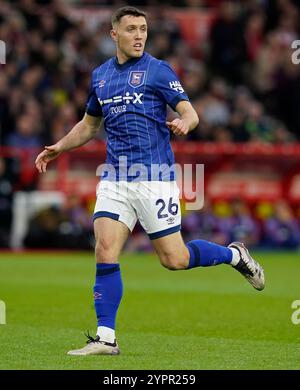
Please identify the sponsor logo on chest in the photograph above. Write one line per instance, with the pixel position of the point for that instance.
(135, 98)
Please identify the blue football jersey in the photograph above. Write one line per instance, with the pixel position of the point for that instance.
(132, 98)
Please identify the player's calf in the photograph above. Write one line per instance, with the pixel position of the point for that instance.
(173, 265)
(172, 252)
(173, 260)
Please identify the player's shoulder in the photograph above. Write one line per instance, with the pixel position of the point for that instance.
(158, 63)
(154, 60)
(165, 66)
(98, 71)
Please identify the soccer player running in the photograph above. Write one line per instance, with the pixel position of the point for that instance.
(130, 92)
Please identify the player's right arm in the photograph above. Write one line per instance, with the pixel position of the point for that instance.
(79, 135)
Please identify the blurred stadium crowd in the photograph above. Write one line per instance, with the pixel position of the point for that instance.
(241, 81)
(263, 225)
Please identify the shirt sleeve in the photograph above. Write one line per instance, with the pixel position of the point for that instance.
(93, 106)
(168, 87)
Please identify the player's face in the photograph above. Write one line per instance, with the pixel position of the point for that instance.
(130, 36)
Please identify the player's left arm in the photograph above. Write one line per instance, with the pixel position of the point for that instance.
(187, 121)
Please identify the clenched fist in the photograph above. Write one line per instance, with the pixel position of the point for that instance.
(178, 126)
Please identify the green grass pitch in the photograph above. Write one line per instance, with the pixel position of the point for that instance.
(205, 318)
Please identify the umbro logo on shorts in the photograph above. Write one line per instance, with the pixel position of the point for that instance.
(170, 220)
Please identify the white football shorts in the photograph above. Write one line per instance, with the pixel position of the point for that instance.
(154, 203)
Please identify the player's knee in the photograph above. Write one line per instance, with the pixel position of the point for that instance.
(103, 249)
(174, 261)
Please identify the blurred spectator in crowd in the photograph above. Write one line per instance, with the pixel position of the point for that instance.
(77, 215)
(228, 48)
(282, 230)
(215, 108)
(6, 196)
(25, 135)
(194, 79)
(4, 117)
(164, 34)
(254, 34)
(69, 227)
(257, 125)
(205, 224)
(240, 225)
(43, 230)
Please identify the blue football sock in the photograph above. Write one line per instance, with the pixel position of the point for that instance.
(108, 292)
(205, 254)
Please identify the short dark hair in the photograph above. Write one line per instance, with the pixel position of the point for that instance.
(119, 13)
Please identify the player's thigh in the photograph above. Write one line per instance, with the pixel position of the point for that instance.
(114, 219)
(158, 208)
(171, 250)
(110, 238)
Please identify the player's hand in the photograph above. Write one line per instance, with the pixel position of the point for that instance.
(47, 155)
(178, 126)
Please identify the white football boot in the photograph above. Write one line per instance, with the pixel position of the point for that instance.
(248, 267)
(96, 347)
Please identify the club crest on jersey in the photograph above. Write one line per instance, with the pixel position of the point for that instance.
(136, 79)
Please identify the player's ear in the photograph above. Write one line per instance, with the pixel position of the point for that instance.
(113, 35)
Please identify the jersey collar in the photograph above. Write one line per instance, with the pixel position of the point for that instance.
(128, 63)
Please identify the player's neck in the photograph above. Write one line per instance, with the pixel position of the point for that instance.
(122, 58)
